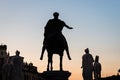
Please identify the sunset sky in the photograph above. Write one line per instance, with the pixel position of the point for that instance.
(96, 26)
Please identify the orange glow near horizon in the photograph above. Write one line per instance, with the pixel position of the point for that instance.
(109, 66)
(75, 69)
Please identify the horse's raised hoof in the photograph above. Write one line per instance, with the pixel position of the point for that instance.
(69, 57)
(41, 58)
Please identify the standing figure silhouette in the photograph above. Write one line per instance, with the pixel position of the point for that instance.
(87, 65)
(97, 69)
(54, 27)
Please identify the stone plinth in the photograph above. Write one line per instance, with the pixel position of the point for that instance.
(56, 75)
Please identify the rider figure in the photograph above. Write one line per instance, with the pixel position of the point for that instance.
(54, 27)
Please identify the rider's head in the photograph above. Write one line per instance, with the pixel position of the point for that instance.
(55, 14)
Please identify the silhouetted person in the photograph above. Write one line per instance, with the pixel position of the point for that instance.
(54, 27)
(97, 69)
(87, 65)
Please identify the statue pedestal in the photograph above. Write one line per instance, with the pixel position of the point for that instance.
(56, 75)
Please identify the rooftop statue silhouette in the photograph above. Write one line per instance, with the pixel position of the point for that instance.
(17, 62)
(87, 65)
(7, 69)
(54, 40)
(119, 70)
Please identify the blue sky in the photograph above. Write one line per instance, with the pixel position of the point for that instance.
(96, 25)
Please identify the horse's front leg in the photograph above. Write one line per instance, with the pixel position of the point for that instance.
(61, 57)
(48, 66)
(43, 49)
(68, 54)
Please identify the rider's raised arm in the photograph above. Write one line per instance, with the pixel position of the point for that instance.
(68, 27)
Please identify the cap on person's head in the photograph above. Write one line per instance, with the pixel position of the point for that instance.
(86, 50)
(56, 14)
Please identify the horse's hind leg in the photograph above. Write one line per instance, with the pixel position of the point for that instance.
(48, 66)
(51, 66)
(51, 62)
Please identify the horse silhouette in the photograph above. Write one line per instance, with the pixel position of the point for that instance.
(55, 45)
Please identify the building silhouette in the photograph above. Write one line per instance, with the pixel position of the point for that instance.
(29, 70)
(113, 77)
(3, 57)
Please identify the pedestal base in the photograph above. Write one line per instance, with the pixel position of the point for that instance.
(56, 75)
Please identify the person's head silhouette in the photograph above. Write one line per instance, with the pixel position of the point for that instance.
(87, 51)
(96, 58)
(56, 14)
